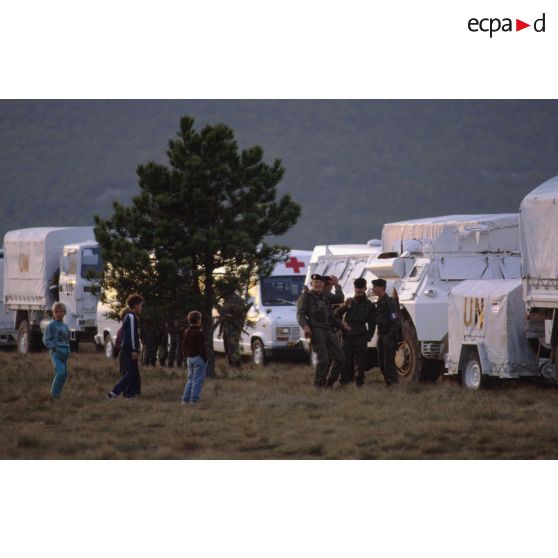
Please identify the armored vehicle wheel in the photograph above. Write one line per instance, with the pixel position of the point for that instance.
(109, 346)
(258, 353)
(408, 358)
(472, 376)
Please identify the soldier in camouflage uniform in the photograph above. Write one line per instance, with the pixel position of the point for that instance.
(315, 316)
(358, 317)
(388, 321)
(232, 318)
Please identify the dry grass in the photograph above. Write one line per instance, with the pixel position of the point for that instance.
(271, 413)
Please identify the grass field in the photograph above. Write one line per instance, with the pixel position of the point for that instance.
(269, 413)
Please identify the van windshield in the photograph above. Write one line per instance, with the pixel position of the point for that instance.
(91, 263)
(281, 291)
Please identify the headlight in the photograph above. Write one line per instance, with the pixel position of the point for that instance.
(283, 330)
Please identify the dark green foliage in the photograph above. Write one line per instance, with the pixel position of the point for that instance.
(211, 208)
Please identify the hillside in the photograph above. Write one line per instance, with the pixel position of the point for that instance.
(353, 165)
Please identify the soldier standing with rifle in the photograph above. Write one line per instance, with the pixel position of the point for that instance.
(358, 317)
(389, 331)
(232, 317)
(315, 316)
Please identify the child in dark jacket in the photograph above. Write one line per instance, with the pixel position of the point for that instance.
(196, 358)
(130, 382)
(57, 339)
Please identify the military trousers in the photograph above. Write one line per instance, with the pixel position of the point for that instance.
(231, 339)
(387, 345)
(355, 349)
(327, 348)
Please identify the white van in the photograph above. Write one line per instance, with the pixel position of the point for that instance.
(271, 326)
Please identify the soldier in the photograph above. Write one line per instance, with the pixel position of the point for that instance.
(232, 319)
(389, 331)
(359, 322)
(315, 316)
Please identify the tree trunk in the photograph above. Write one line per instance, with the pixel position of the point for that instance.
(208, 321)
(208, 334)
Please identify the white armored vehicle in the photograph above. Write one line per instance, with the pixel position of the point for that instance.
(423, 259)
(509, 329)
(345, 261)
(44, 265)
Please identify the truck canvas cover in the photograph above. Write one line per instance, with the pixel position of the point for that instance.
(455, 233)
(31, 260)
(538, 227)
(491, 316)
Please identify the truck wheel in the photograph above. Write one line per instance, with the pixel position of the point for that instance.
(258, 353)
(408, 358)
(74, 345)
(109, 346)
(472, 376)
(24, 338)
(28, 340)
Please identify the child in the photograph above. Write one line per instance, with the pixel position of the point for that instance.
(57, 339)
(194, 351)
(130, 382)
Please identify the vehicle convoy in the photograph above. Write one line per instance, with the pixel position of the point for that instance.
(45, 265)
(509, 329)
(423, 260)
(271, 327)
(8, 335)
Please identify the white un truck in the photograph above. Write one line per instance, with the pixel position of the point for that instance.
(271, 326)
(45, 265)
(509, 329)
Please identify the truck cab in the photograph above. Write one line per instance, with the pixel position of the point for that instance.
(80, 264)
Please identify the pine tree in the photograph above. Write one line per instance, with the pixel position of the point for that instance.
(213, 208)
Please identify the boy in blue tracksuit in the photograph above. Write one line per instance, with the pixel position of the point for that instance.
(130, 382)
(57, 339)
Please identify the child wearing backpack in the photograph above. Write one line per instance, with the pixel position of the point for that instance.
(57, 339)
(130, 382)
(194, 350)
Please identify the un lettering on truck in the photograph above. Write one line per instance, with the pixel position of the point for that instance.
(487, 324)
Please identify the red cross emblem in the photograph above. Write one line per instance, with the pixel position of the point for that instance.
(295, 264)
